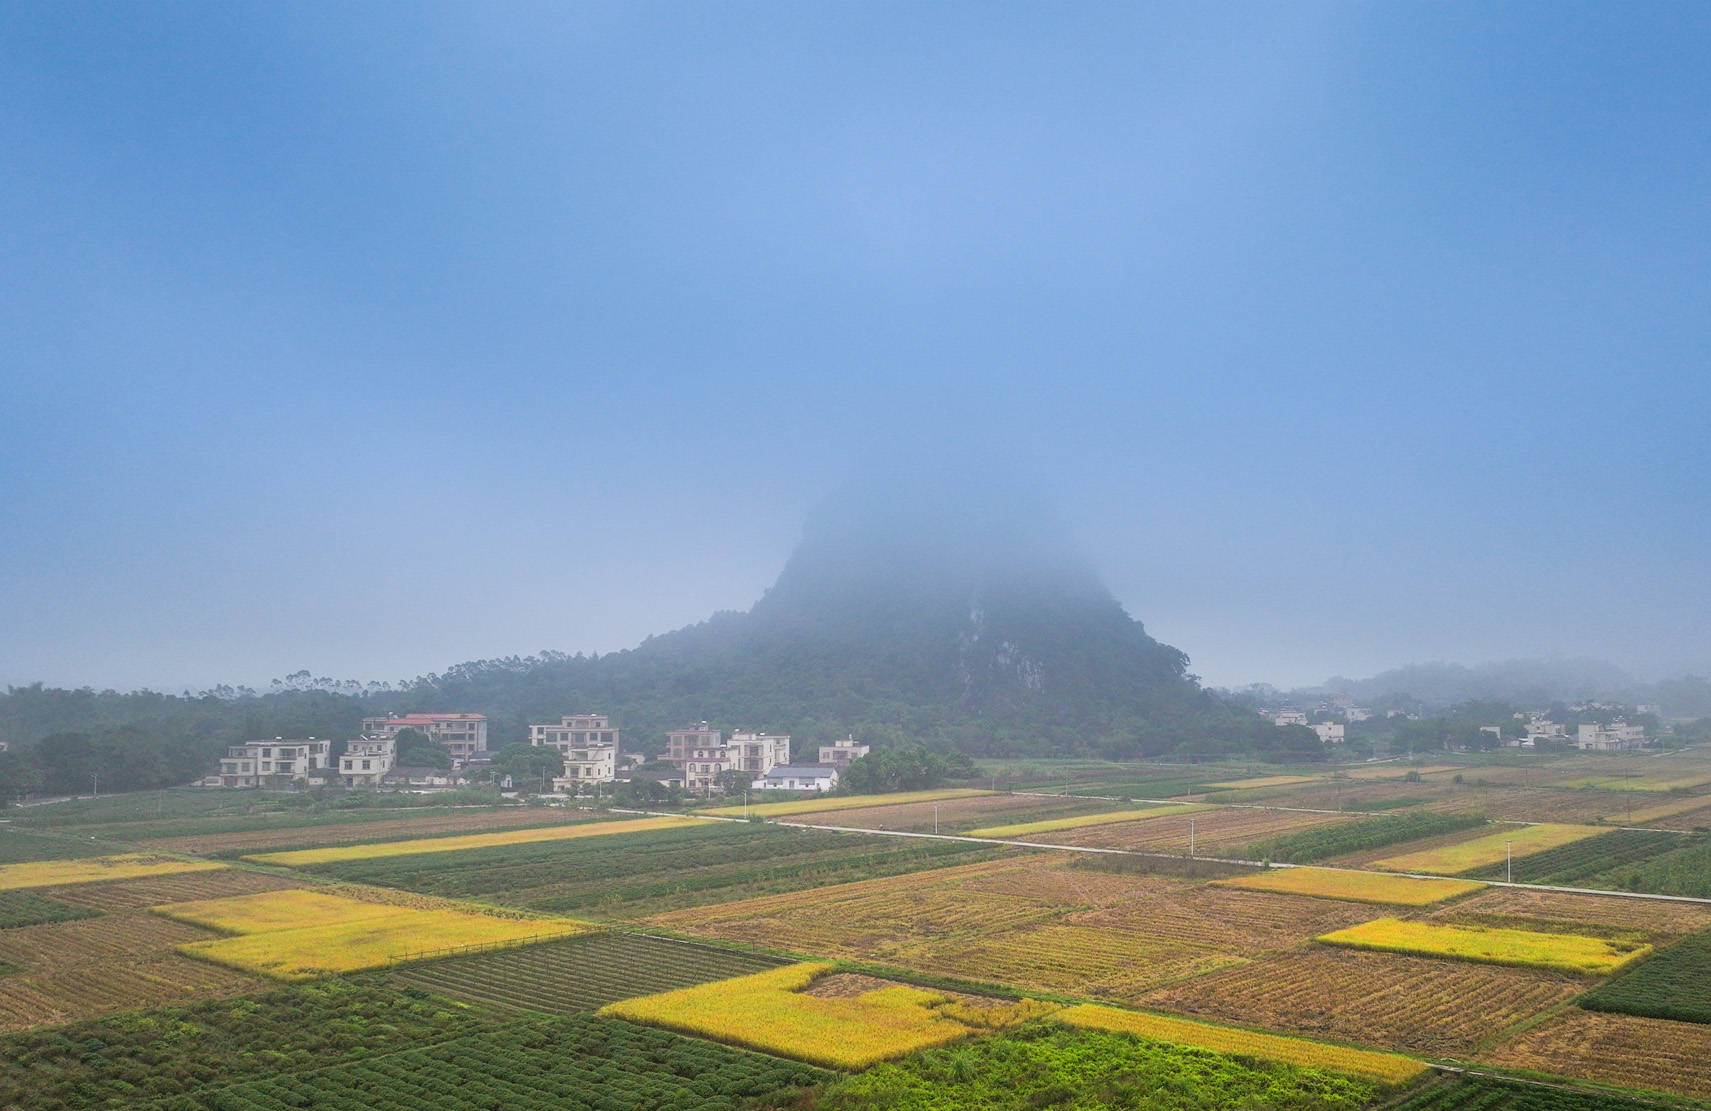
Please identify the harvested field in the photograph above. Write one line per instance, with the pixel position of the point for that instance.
(1222, 1039)
(1360, 887)
(1653, 1054)
(96, 869)
(1081, 821)
(1540, 804)
(112, 940)
(305, 858)
(1217, 832)
(955, 815)
(153, 890)
(1238, 922)
(581, 974)
(1492, 945)
(1414, 1004)
(1657, 919)
(1400, 771)
(803, 808)
(322, 834)
(1681, 813)
(1261, 781)
(1491, 848)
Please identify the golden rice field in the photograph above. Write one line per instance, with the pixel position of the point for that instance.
(1490, 848)
(1220, 831)
(96, 869)
(1263, 781)
(1389, 1067)
(843, 802)
(1110, 817)
(1413, 1004)
(1650, 1053)
(1594, 956)
(1400, 771)
(334, 933)
(303, 858)
(771, 1011)
(1359, 887)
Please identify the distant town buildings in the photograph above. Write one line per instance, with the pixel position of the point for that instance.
(367, 760)
(1615, 737)
(462, 735)
(798, 777)
(1288, 717)
(257, 763)
(841, 754)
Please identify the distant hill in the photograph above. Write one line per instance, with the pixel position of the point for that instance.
(1529, 682)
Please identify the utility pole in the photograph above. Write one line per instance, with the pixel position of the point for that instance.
(1191, 838)
(95, 780)
(746, 803)
(1509, 859)
(935, 819)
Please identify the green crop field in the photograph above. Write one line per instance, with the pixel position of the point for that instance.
(576, 1063)
(1685, 870)
(1579, 861)
(1672, 983)
(647, 873)
(583, 974)
(1481, 1093)
(22, 847)
(26, 908)
(1324, 842)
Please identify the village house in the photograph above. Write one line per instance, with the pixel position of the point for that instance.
(1330, 732)
(367, 760)
(702, 753)
(798, 777)
(261, 763)
(462, 735)
(1288, 717)
(1615, 737)
(588, 744)
(843, 753)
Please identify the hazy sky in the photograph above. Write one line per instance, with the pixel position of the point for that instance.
(370, 338)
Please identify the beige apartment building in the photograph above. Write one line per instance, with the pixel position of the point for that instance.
(462, 735)
(702, 753)
(367, 760)
(588, 744)
(841, 754)
(254, 763)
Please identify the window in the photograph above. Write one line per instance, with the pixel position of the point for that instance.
(366, 765)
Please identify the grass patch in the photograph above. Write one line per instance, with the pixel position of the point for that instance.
(95, 869)
(1673, 983)
(1391, 1068)
(1045, 1065)
(306, 858)
(1360, 887)
(1492, 945)
(772, 1012)
(1109, 817)
(1481, 852)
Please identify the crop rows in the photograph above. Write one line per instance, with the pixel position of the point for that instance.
(1575, 862)
(1682, 871)
(1464, 857)
(1361, 887)
(96, 869)
(1219, 832)
(578, 1063)
(1492, 945)
(234, 837)
(1672, 983)
(1322, 843)
(1483, 1093)
(418, 846)
(26, 908)
(18, 847)
(148, 891)
(1243, 922)
(583, 974)
(1572, 913)
(1646, 1053)
(1441, 1008)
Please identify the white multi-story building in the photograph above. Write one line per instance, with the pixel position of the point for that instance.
(1331, 732)
(367, 760)
(588, 744)
(1615, 737)
(702, 753)
(1288, 717)
(843, 753)
(256, 763)
(462, 735)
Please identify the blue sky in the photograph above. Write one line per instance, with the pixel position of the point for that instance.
(369, 338)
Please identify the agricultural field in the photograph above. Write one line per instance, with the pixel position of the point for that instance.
(1649, 1054)
(1643, 781)
(1486, 1093)
(1081, 1069)
(1413, 1004)
(96, 869)
(1399, 771)
(1080, 821)
(1672, 983)
(1541, 804)
(125, 1060)
(1387, 1067)
(1586, 914)
(296, 830)
(642, 874)
(961, 814)
(1573, 864)
(778, 1011)
(27, 908)
(1677, 813)
(1320, 843)
(18, 846)
(808, 809)
(1220, 832)
(1593, 956)
(292, 935)
(307, 858)
(1685, 870)
(1359, 887)
(148, 891)
(1492, 848)
(579, 975)
(1262, 781)
(575, 1063)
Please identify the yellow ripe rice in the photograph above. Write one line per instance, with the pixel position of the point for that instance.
(1359, 887)
(1052, 825)
(299, 858)
(841, 802)
(125, 866)
(1491, 945)
(1465, 856)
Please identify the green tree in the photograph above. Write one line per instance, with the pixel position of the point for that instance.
(418, 750)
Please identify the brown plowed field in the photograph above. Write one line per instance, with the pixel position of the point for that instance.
(1216, 832)
(1242, 923)
(1440, 1008)
(1650, 1053)
(152, 891)
(1656, 918)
